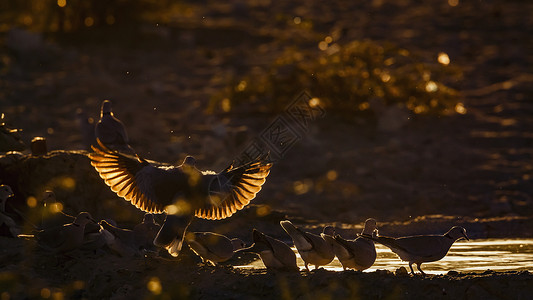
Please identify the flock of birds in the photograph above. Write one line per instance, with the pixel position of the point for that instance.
(181, 193)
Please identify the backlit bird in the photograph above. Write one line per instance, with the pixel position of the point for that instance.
(180, 191)
(419, 249)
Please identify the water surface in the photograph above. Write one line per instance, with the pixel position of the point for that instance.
(464, 256)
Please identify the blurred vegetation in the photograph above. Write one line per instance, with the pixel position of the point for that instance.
(346, 78)
(75, 15)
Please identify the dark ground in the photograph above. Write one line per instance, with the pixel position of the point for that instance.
(473, 170)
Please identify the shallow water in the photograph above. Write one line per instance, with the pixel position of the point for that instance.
(464, 256)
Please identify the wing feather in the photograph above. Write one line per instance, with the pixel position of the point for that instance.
(237, 187)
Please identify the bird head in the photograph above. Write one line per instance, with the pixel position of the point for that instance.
(107, 108)
(237, 244)
(329, 230)
(370, 226)
(83, 219)
(456, 233)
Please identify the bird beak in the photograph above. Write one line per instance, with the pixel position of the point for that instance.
(464, 234)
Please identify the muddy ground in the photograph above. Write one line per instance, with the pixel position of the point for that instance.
(472, 169)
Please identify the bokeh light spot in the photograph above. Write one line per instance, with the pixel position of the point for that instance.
(460, 108)
(225, 105)
(68, 183)
(431, 87)
(110, 20)
(154, 286)
(301, 187)
(61, 3)
(331, 175)
(314, 102)
(46, 293)
(241, 86)
(56, 207)
(31, 201)
(263, 210)
(322, 45)
(443, 58)
(297, 20)
(89, 21)
(364, 106)
(453, 3)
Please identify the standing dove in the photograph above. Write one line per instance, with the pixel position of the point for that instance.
(110, 130)
(314, 249)
(145, 232)
(274, 253)
(181, 191)
(213, 247)
(13, 229)
(62, 238)
(120, 240)
(419, 249)
(358, 254)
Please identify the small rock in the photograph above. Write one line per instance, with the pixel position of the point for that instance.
(453, 273)
(401, 271)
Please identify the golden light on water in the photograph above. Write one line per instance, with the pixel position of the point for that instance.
(154, 286)
(464, 256)
(61, 3)
(460, 108)
(443, 58)
(31, 201)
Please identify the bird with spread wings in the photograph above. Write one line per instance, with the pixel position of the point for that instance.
(181, 191)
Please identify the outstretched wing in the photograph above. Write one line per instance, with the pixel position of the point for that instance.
(148, 187)
(233, 188)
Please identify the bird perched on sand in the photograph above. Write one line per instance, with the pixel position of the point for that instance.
(62, 238)
(111, 131)
(13, 229)
(213, 247)
(274, 253)
(145, 232)
(419, 249)
(314, 249)
(181, 191)
(120, 240)
(359, 253)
